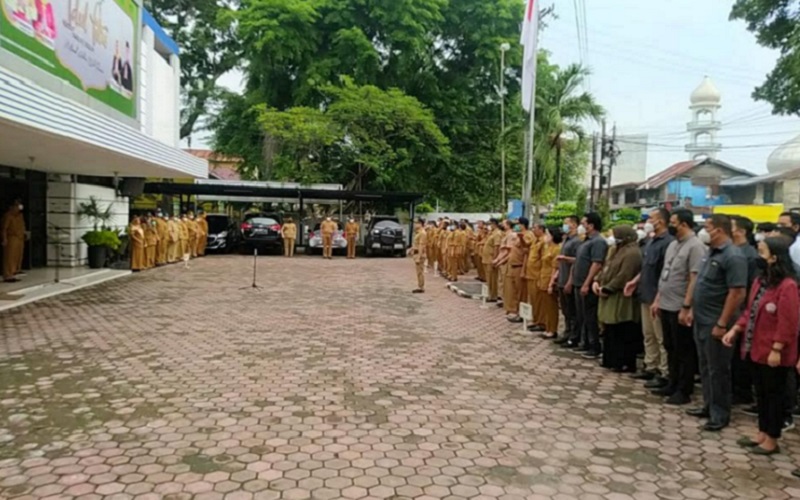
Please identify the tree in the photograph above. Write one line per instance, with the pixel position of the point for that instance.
(205, 31)
(776, 24)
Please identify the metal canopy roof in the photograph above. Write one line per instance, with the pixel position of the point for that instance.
(233, 190)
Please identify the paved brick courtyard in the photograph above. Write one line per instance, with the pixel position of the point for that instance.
(333, 382)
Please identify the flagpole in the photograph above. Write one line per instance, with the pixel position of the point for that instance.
(531, 161)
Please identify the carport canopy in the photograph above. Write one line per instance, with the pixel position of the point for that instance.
(300, 194)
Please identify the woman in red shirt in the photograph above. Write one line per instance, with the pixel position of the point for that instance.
(770, 325)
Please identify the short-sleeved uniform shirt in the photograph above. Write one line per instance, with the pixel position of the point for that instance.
(593, 250)
(682, 258)
(491, 245)
(653, 258)
(568, 249)
(720, 270)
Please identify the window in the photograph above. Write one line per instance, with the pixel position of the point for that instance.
(769, 192)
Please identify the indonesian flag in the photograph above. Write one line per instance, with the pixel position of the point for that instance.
(530, 42)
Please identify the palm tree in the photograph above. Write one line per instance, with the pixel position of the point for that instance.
(560, 113)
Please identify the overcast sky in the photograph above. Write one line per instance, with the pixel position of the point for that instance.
(646, 61)
(647, 58)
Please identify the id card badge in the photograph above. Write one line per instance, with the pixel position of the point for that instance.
(665, 274)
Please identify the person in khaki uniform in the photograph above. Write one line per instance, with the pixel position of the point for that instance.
(533, 273)
(480, 237)
(150, 242)
(526, 238)
(452, 254)
(444, 232)
(548, 292)
(351, 230)
(12, 237)
(489, 252)
(184, 239)
(162, 230)
(327, 228)
(419, 252)
(138, 245)
(466, 257)
(430, 252)
(202, 235)
(512, 258)
(289, 235)
(174, 241)
(194, 233)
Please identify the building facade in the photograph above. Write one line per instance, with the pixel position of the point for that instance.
(89, 106)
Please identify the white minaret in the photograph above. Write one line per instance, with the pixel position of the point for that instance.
(705, 102)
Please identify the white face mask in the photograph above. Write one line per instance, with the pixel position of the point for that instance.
(581, 230)
(705, 238)
(649, 228)
(641, 234)
(611, 241)
(760, 237)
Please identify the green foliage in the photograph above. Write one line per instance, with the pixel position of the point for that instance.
(560, 212)
(93, 211)
(205, 31)
(605, 212)
(776, 24)
(102, 238)
(580, 201)
(424, 208)
(408, 88)
(628, 215)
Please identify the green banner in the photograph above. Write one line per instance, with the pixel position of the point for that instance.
(91, 44)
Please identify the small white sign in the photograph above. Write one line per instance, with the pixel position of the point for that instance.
(484, 291)
(526, 311)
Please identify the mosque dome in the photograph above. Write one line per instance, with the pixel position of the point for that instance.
(706, 94)
(785, 157)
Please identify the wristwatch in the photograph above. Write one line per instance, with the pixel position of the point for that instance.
(721, 326)
(686, 306)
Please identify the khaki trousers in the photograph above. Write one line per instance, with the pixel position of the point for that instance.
(12, 257)
(655, 355)
(327, 245)
(548, 304)
(351, 247)
(420, 266)
(491, 280)
(288, 247)
(511, 289)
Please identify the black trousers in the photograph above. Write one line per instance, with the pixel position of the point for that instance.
(567, 301)
(770, 392)
(620, 342)
(681, 353)
(741, 375)
(587, 311)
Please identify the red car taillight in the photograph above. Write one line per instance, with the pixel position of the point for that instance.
(311, 235)
(246, 226)
(276, 228)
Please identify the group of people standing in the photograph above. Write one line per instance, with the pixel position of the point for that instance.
(721, 302)
(160, 239)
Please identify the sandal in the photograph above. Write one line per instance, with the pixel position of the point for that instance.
(746, 442)
(758, 450)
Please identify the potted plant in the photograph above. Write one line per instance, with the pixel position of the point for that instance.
(101, 238)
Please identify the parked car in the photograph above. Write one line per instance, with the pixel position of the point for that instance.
(385, 235)
(315, 238)
(223, 233)
(262, 231)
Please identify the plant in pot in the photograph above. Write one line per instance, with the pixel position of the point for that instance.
(101, 238)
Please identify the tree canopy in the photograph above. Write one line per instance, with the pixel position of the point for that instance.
(776, 25)
(396, 96)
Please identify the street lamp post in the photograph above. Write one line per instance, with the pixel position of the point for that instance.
(503, 49)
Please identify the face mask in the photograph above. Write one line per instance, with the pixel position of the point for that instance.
(649, 228)
(673, 231)
(517, 228)
(581, 230)
(611, 241)
(761, 264)
(760, 237)
(705, 238)
(565, 228)
(640, 234)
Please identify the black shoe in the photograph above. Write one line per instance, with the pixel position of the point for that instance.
(591, 354)
(646, 376)
(12, 280)
(751, 410)
(656, 383)
(581, 349)
(490, 301)
(536, 328)
(418, 290)
(514, 319)
(698, 412)
(714, 426)
(570, 344)
(663, 391)
(561, 341)
(677, 399)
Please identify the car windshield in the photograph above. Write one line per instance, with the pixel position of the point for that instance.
(384, 224)
(264, 221)
(217, 223)
(318, 225)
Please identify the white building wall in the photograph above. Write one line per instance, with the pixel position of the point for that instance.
(159, 98)
(65, 227)
(632, 161)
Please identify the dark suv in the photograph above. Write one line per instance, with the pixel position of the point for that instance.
(223, 233)
(262, 231)
(385, 235)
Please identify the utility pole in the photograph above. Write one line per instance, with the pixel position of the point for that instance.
(503, 48)
(612, 160)
(601, 175)
(594, 170)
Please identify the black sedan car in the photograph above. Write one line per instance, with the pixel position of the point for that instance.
(223, 233)
(262, 231)
(385, 236)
